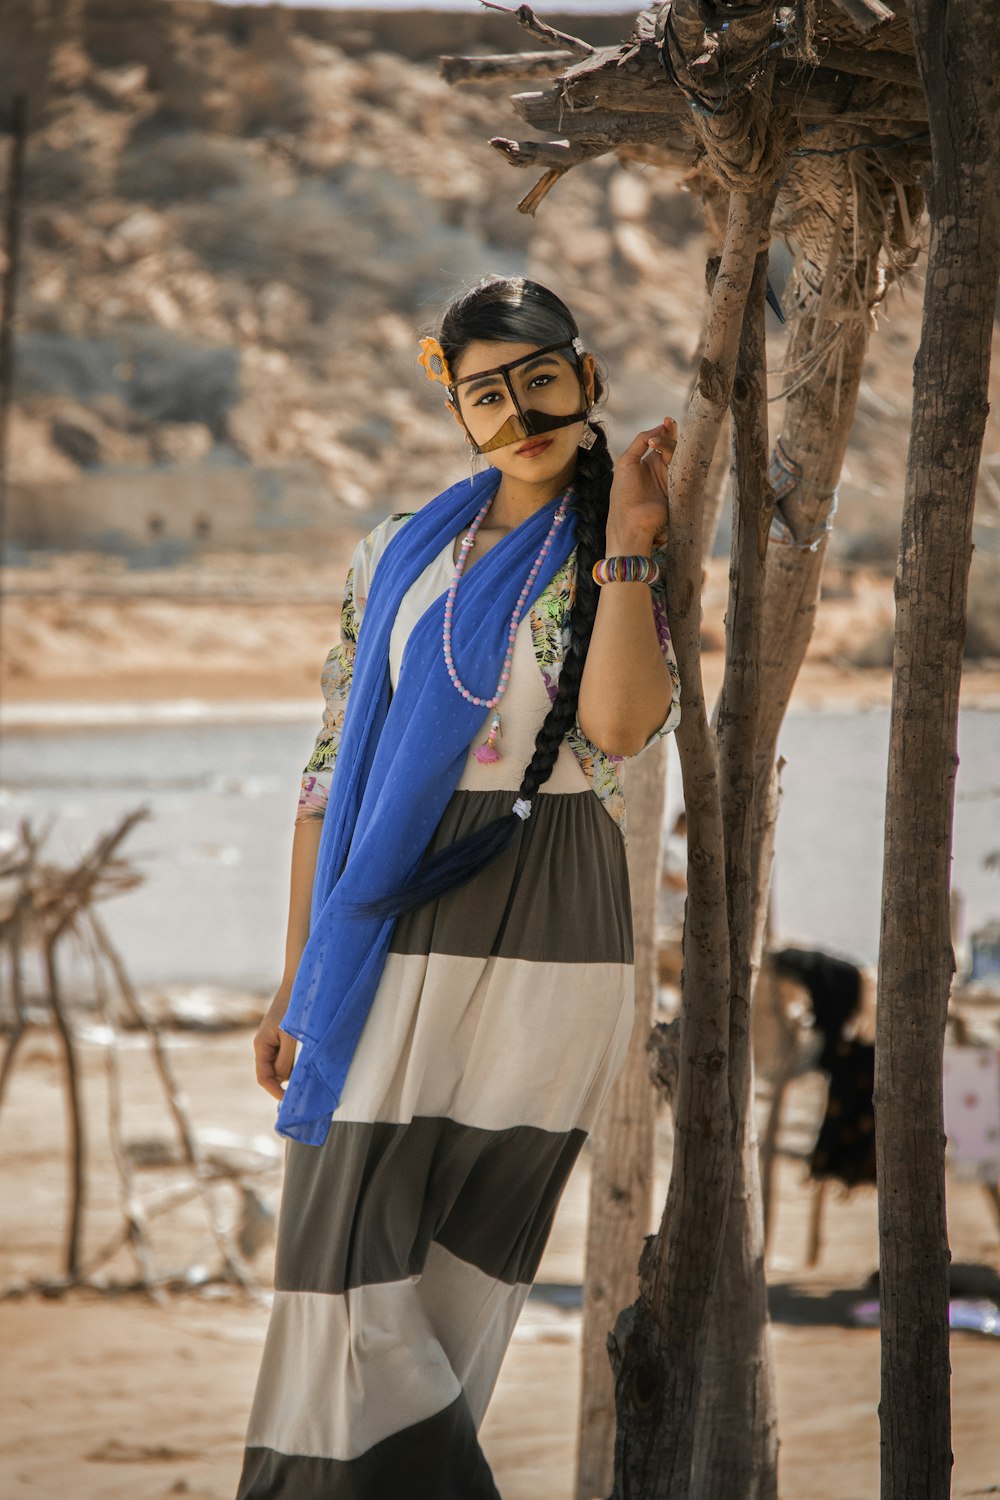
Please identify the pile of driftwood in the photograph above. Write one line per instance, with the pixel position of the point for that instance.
(46, 910)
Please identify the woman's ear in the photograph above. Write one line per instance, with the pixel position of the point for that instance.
(588, 371)
(455, 413)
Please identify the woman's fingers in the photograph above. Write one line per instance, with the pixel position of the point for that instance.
(662, 440)
(274, 1053)
(637, 448)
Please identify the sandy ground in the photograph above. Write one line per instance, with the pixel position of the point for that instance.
(84, 629)
(114, 1397)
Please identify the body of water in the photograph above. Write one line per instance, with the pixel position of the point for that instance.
(216, 850)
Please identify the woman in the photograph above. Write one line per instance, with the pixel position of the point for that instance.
(459, 969)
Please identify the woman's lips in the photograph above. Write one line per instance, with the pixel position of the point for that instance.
(537, 445)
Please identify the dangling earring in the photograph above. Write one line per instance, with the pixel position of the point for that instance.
(477, 463)
(589, 437)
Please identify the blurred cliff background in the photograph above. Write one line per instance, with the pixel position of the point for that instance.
(238, 220)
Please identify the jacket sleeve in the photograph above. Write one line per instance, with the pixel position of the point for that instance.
(338, 670)
(659, 593)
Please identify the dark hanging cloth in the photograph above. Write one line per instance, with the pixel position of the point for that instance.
(845, 1146)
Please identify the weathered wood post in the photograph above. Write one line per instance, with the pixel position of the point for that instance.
(12, 252)
(658, 1341)
(622, 1154)
(958, 50)
(736, 1437)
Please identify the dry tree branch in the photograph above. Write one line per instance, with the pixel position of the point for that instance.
(234, 1264)
(529, 203)
(525, 17)
(867, 15)
(558, 155)
(527, 65)
(891, 66)
(78, 1154)
(134, 1233)
(12, 930)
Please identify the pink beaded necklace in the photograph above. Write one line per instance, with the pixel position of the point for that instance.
(488, 751)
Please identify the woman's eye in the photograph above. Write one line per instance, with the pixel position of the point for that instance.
(487, 399)
(541, 380)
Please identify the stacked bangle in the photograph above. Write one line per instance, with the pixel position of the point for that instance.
(631, 569)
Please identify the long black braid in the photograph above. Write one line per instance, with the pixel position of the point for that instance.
(592, 483)
(467, 856)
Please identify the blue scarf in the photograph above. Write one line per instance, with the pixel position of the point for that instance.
(401, 756)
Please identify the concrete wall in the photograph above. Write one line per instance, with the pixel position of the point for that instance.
(186, 507)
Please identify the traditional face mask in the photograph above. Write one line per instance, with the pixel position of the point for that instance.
(527, 422)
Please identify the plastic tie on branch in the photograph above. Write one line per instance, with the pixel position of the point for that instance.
(785, 476)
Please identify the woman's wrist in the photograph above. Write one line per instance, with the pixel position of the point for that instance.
(282, 995)
(627, 541)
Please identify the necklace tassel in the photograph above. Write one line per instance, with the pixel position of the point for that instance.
(487, 753)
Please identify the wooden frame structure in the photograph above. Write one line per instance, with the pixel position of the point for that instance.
(820, 121)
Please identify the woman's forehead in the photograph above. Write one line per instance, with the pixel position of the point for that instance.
(486, 354)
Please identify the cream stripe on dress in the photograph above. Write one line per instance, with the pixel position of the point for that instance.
(340, 1373)
(490, 1042)
(391, 1355)
(473, 1316)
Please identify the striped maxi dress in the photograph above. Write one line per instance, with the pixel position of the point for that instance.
(408, 1241)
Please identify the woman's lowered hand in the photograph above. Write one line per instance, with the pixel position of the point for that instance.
(274, 1049)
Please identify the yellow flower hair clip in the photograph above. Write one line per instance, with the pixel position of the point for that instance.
(434, 363)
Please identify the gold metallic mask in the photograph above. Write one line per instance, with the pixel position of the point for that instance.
(527, 421)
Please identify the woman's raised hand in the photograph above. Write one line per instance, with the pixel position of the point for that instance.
(274, 1049)
(638, 506)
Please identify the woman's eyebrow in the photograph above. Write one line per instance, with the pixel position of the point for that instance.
(543, 359)
(477, 385)
(491, 379)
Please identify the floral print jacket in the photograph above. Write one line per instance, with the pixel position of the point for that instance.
(549, 617)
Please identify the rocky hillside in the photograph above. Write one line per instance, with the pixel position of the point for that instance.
(238, 223)
(232, 249)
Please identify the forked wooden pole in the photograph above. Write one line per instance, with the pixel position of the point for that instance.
(658, 1342)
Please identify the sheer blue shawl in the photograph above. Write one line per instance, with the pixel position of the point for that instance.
(400, 758)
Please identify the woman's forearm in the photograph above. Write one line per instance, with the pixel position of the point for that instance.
(626, 689)
(305, 847)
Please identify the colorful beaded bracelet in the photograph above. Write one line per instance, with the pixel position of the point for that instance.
(630, 569)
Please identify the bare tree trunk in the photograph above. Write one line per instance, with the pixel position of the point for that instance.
(621, 1185)
(235, 1267)
(658, 1342)
(12, 247)
(736, 1444)
(13, 940)
(623, 1140)
(958, 50)
(814, 435)
(74, 1098)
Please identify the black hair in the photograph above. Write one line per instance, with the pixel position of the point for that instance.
(515, 310)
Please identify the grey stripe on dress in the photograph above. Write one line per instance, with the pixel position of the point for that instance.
(436, 1459)
(371, 1200)
(573, 909)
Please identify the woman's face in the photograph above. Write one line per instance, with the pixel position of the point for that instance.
(547, 384)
